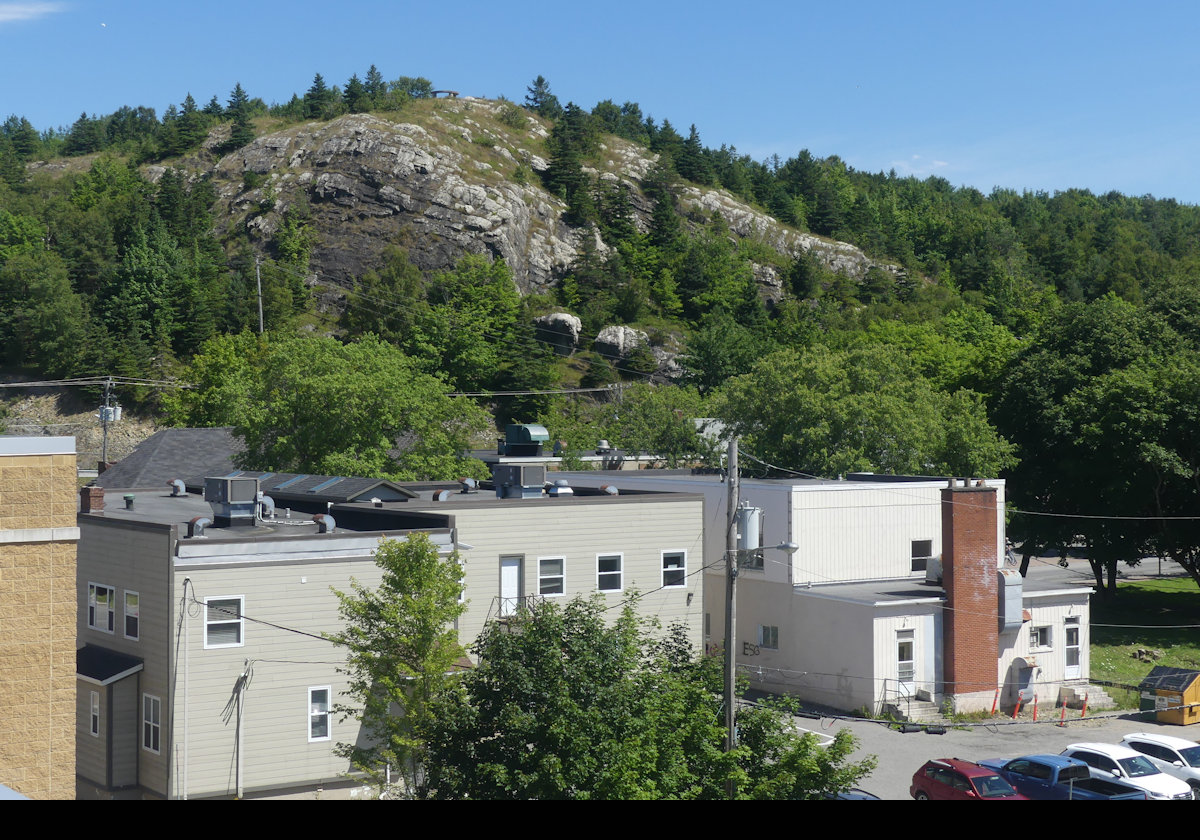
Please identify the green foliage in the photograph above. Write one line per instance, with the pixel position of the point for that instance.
(541, 101)
(565, 706)
(402, 652)
(314, 405)
(512, 116)
(829, 412)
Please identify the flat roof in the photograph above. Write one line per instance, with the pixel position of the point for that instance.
(39, 445)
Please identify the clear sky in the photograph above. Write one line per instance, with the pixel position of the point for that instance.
(1026, 95)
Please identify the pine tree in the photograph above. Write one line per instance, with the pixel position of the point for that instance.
(541, 101)
(375, 86)
(355, 96)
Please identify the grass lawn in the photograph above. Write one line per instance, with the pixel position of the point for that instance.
(1148, 609)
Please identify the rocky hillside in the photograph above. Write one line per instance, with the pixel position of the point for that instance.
(450, 177)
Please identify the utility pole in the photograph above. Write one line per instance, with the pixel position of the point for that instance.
(105, 413)
(731, 569)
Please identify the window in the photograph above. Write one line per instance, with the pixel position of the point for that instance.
(608, 572)
(151, 722)
(223, 622)
(1039, 637)
(132, 612)
(318, 713)
(96, 713)
(674, 568)
(550, 576)
(768, 636)
(922, 550)
(102, 602)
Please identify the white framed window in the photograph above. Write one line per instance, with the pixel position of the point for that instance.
(922, 553)
(551, 575)
(96, 713)
(318, 713)
(132, 614)
(151, 723)
(608, 572)
(674, 569)
(768, 636)
(102, 607)
(1040, 637)
(223, 621)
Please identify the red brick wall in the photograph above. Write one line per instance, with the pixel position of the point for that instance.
(969, 564)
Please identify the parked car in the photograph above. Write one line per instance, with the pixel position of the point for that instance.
(953, 778)
(1059, 777)
(1176, 757)
(1109, 761)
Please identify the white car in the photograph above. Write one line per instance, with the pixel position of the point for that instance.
(1121, 762)
(1176, 757)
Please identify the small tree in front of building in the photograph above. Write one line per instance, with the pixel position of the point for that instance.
(403, 649)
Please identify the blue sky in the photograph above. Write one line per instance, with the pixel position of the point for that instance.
(1046, 96)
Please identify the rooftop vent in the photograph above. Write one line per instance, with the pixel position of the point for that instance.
(524, 439)
(603, 447)
(561, 487)
(518, 481)
(177, 487)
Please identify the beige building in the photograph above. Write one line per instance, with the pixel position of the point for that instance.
(860, 615)
(37, 615)
(204, 672)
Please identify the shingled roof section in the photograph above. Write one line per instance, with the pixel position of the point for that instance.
(171, 454)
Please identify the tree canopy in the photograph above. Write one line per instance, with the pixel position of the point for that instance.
(317, 405)
(402, 650)
(565, 706)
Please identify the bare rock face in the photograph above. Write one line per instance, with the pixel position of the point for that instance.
(461, 183)
(370, 183)
(618, 342)
(560, 330)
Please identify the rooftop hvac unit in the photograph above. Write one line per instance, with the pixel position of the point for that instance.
(519, 481)
(232, 499)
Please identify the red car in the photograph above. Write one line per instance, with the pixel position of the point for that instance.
(953, 778)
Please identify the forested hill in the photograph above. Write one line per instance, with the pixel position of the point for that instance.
(839, 320)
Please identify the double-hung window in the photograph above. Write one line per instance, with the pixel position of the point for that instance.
(223, 622)
(132, 614)
(674, 568)
(551, 575)
(608, 572)
(151, 723)
(95, 713)
(318, 713)
(922, 552)
(102, 603)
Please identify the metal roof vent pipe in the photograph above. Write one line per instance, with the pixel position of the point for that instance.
(441, 496)
(609, 489)
(468, 485)
(129, 497)
(177, 488)
(266, 506)
(561, 487)
(196, 526)
(325, 523)
(376, 502)
(603, 447)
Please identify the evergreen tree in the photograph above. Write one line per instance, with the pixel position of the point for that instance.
(355, 95)
(318, 99)
(541, 101)
(376, 87)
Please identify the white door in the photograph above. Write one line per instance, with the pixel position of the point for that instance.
(510, 584)
(906, 663)
(1072, 651)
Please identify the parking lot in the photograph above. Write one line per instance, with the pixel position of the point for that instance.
(901, 754)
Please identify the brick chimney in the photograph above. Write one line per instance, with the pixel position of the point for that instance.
(970, 560)
(91, 499)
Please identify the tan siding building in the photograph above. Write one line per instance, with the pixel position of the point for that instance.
(228, 687)
(37, 615)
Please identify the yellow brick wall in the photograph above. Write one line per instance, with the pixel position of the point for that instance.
(37, 627)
